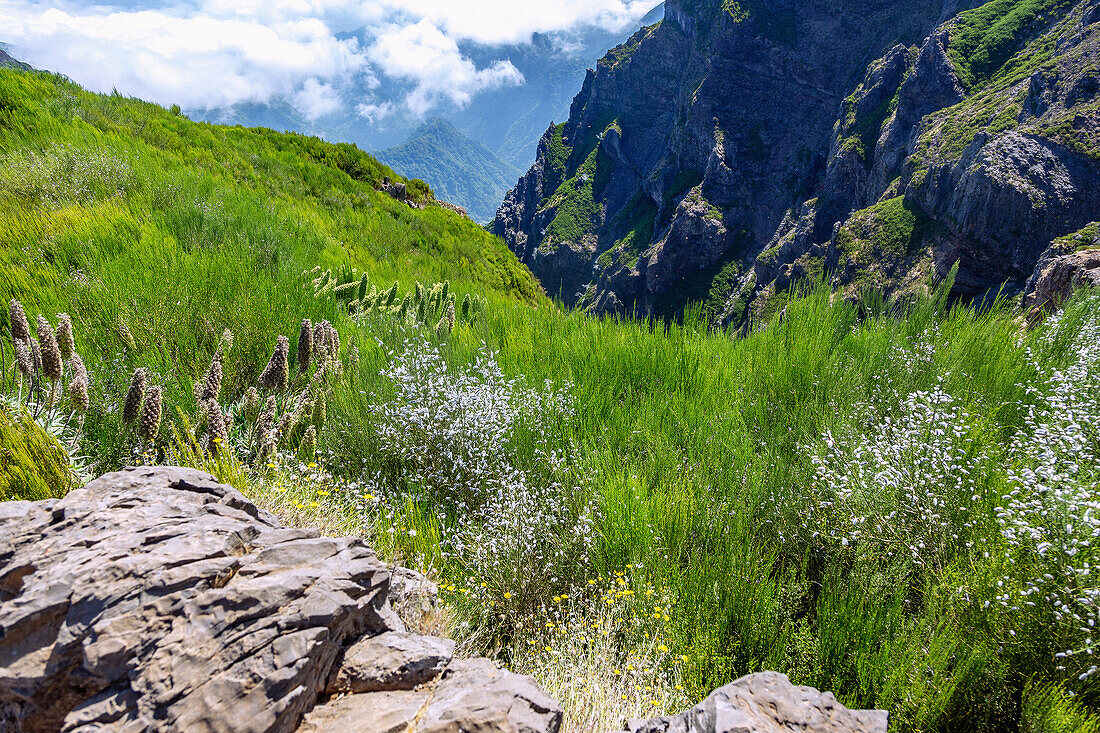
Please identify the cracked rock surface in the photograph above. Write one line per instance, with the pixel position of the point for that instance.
(156, 599)
(766, 703)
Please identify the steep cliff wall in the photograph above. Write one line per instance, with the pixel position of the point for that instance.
(723, 153)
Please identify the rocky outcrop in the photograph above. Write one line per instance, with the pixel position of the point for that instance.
(159, 600)
(766, 703)
(1069, 263)
(722, 153)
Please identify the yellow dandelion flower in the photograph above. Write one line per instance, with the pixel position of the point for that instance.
(507, 595)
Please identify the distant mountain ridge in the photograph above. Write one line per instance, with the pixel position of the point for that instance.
(7, 61)
(459, 170)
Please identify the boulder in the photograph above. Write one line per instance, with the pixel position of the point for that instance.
(472, 695)
(157, 599)
(413, 596)
(1056, 278)
(766, 703)
(391, 661)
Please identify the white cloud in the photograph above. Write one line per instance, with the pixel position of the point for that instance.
(375, 113)
(495, 22)
(217, 53)
(196, 61)
(317, 99)
(423, 54)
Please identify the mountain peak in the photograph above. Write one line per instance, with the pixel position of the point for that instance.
(458, 168)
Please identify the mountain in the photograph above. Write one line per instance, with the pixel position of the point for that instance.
(459, 170)
(6, 61)
(738, 147)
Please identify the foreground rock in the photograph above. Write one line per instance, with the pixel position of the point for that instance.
(159, 600)
(766, 703)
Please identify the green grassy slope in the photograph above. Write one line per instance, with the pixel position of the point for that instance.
(823, 497)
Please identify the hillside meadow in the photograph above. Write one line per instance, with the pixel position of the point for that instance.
(894, 502)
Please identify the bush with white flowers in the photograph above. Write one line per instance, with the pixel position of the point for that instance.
(489, 456)
(1051, 514)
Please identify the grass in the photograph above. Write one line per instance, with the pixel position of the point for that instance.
(680, 460)
(983, 40)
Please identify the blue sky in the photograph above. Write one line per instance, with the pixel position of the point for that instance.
(217, 53)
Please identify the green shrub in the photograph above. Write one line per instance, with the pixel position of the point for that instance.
(33, 464)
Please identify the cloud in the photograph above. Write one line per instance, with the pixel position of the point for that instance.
(317, 99)
(375, 113)
(423, 54)
(195, 61)
(206, 54)
(497, 22)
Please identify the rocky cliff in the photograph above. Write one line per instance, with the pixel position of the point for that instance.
(738, 147)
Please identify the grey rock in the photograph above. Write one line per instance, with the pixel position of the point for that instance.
(1069, 263)
(412, 596)
(742, 107)
(766, 703)
(472, 696)
(391, 661)
(158, 599)
(713, 134)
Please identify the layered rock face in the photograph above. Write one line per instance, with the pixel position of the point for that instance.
(766, 703)
(738, 147)
(160, 600)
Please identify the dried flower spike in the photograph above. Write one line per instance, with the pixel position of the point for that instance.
(332, 339)
(305, 345)
(265, 423)
(36, 355)
(65, 335)
(20, 328)
(134, 397)
(124, 332)
(307, 450)
(250, 407)
(79, 370)
(320, 410)
(226, 344)
(219, 433)
(277, 372)
(212, 383)
(150, 415)
(24, 359)
(320, 337)
(78, 395)
(52, 365)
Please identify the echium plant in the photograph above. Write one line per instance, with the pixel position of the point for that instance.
(46, 378)
(285, 411)
(433, 306)
(45, 361)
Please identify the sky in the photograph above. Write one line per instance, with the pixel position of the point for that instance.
(205, 54)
